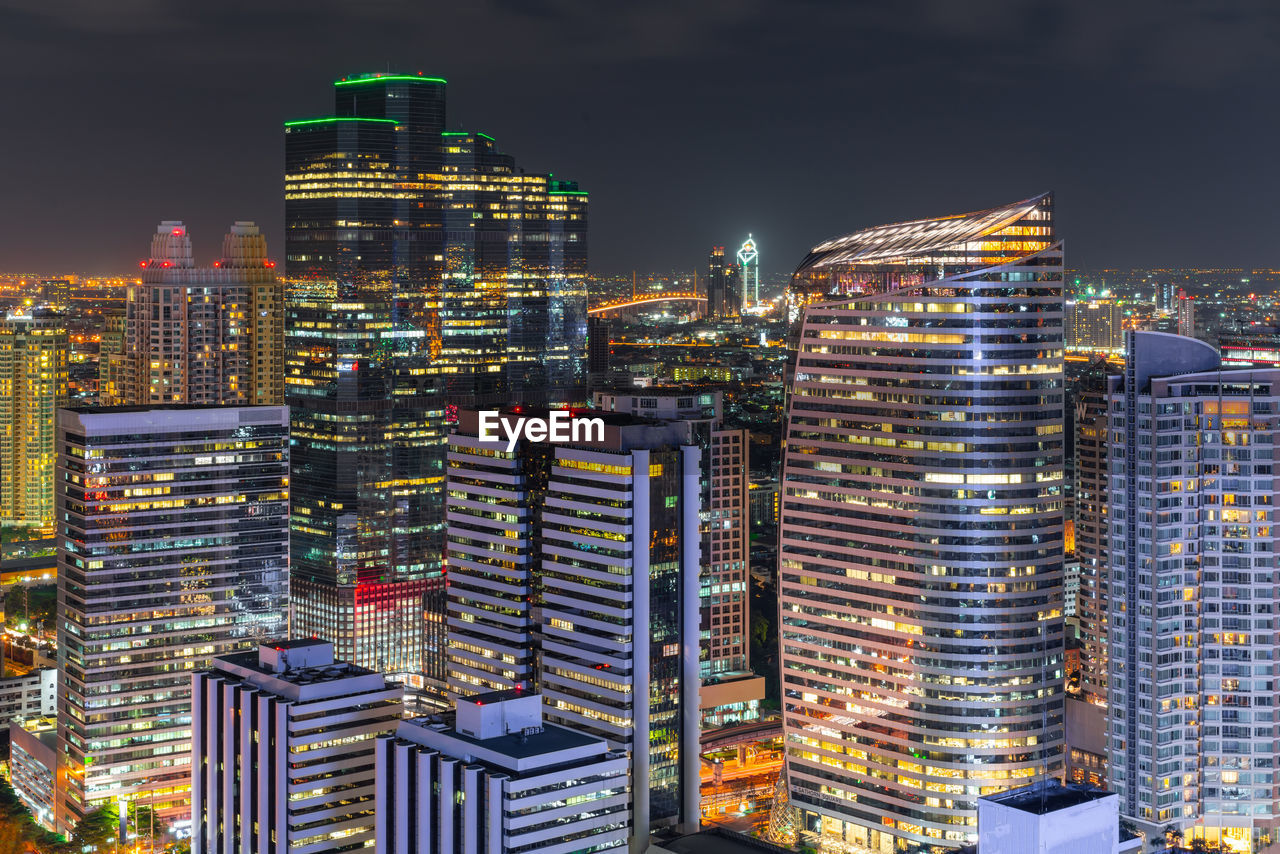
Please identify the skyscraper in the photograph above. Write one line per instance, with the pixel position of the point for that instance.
(1093, 325)
(172, 549)
(1193, 646)
(204, 335)
(283, 750)
(580, 562)
(1186, 314)
(920, 564)
(723, 298)
(33, 384)
(1090, 507)
(749, 273)
(410, 295)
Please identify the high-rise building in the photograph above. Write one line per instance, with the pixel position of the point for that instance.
(114, 364)
(1257, 346)
(1090, 508)
(498, 779)
(172, 550)
(579, 562)
(33, 385)
(409, 290)
(283, 742)
(723, 297)
(920, 558)
(749, 273)
(1093, 326)
(1193, 646)
(1186, 314)
(204, 335)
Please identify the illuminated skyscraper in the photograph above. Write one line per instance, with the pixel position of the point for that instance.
(1193, 645)
(921, 563)
(723, 297)
(410, 295)
(33, 385)
(573, 569)
(749, 273)
(1186, 314)
(1093, 325)
(202, 335)
(172, 549)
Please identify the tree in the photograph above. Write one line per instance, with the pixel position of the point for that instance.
(97, 829)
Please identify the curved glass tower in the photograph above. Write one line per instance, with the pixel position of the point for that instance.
(920, 567)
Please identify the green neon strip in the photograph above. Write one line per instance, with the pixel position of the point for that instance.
(567, 193)
(455, 133)
(338, 119)
(386, 77)
(486, 136)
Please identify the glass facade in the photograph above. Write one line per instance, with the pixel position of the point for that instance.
(921, 561)
(172, 549)
(33, 384)
(418, 262)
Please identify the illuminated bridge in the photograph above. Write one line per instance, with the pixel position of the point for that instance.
(646, 300)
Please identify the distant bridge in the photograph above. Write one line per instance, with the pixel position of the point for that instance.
(648, 299)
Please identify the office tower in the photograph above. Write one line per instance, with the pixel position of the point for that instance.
(114, 364)
(731, 693)
(498, 779)
(205, 335)
(1186, 314)
(1257, 346)
(282, 754)
(56, 293)
(723, 298)
(1165, 296)
(1191, 736)
(1094, 325)
(749, 273)
(33, 384)
(426, 273)
(1090, 508)
(172, 550)
(596, 587)
(599, 352)
(920, 561)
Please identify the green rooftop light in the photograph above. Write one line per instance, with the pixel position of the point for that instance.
(332, 119)
(567, 193)
(486, 136)
(387, 78)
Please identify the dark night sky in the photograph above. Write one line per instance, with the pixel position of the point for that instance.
(691, 122)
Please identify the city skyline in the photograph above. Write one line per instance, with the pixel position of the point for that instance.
(1124, 86)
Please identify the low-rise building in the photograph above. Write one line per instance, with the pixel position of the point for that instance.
(32, 759)
(497, 779)
(31, 695)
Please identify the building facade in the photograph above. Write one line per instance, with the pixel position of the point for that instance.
(498, 779)
(33, 745)
(1090, 508)
(1191, 735)
(581, 560)
(724, 300)
(411, 294)
(33, 385)
(283, 744)
(1096, 325)
(203, 335)
(172, 550)
(921, 559)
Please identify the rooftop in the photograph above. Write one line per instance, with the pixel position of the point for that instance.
(917, 237)
(1048, 796)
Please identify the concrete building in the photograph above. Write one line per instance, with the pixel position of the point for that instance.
(31, 695)
(33, 746)
(1186, 314)
(172, 550)
(1093, 326)
(33, 385)
(1049, 818)
(497, 780)
(204, 335)
(283, 751)
(1191, 731)
(576, 567)
(921, 543)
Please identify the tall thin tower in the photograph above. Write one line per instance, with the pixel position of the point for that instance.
(749, 272)
(920, 561)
